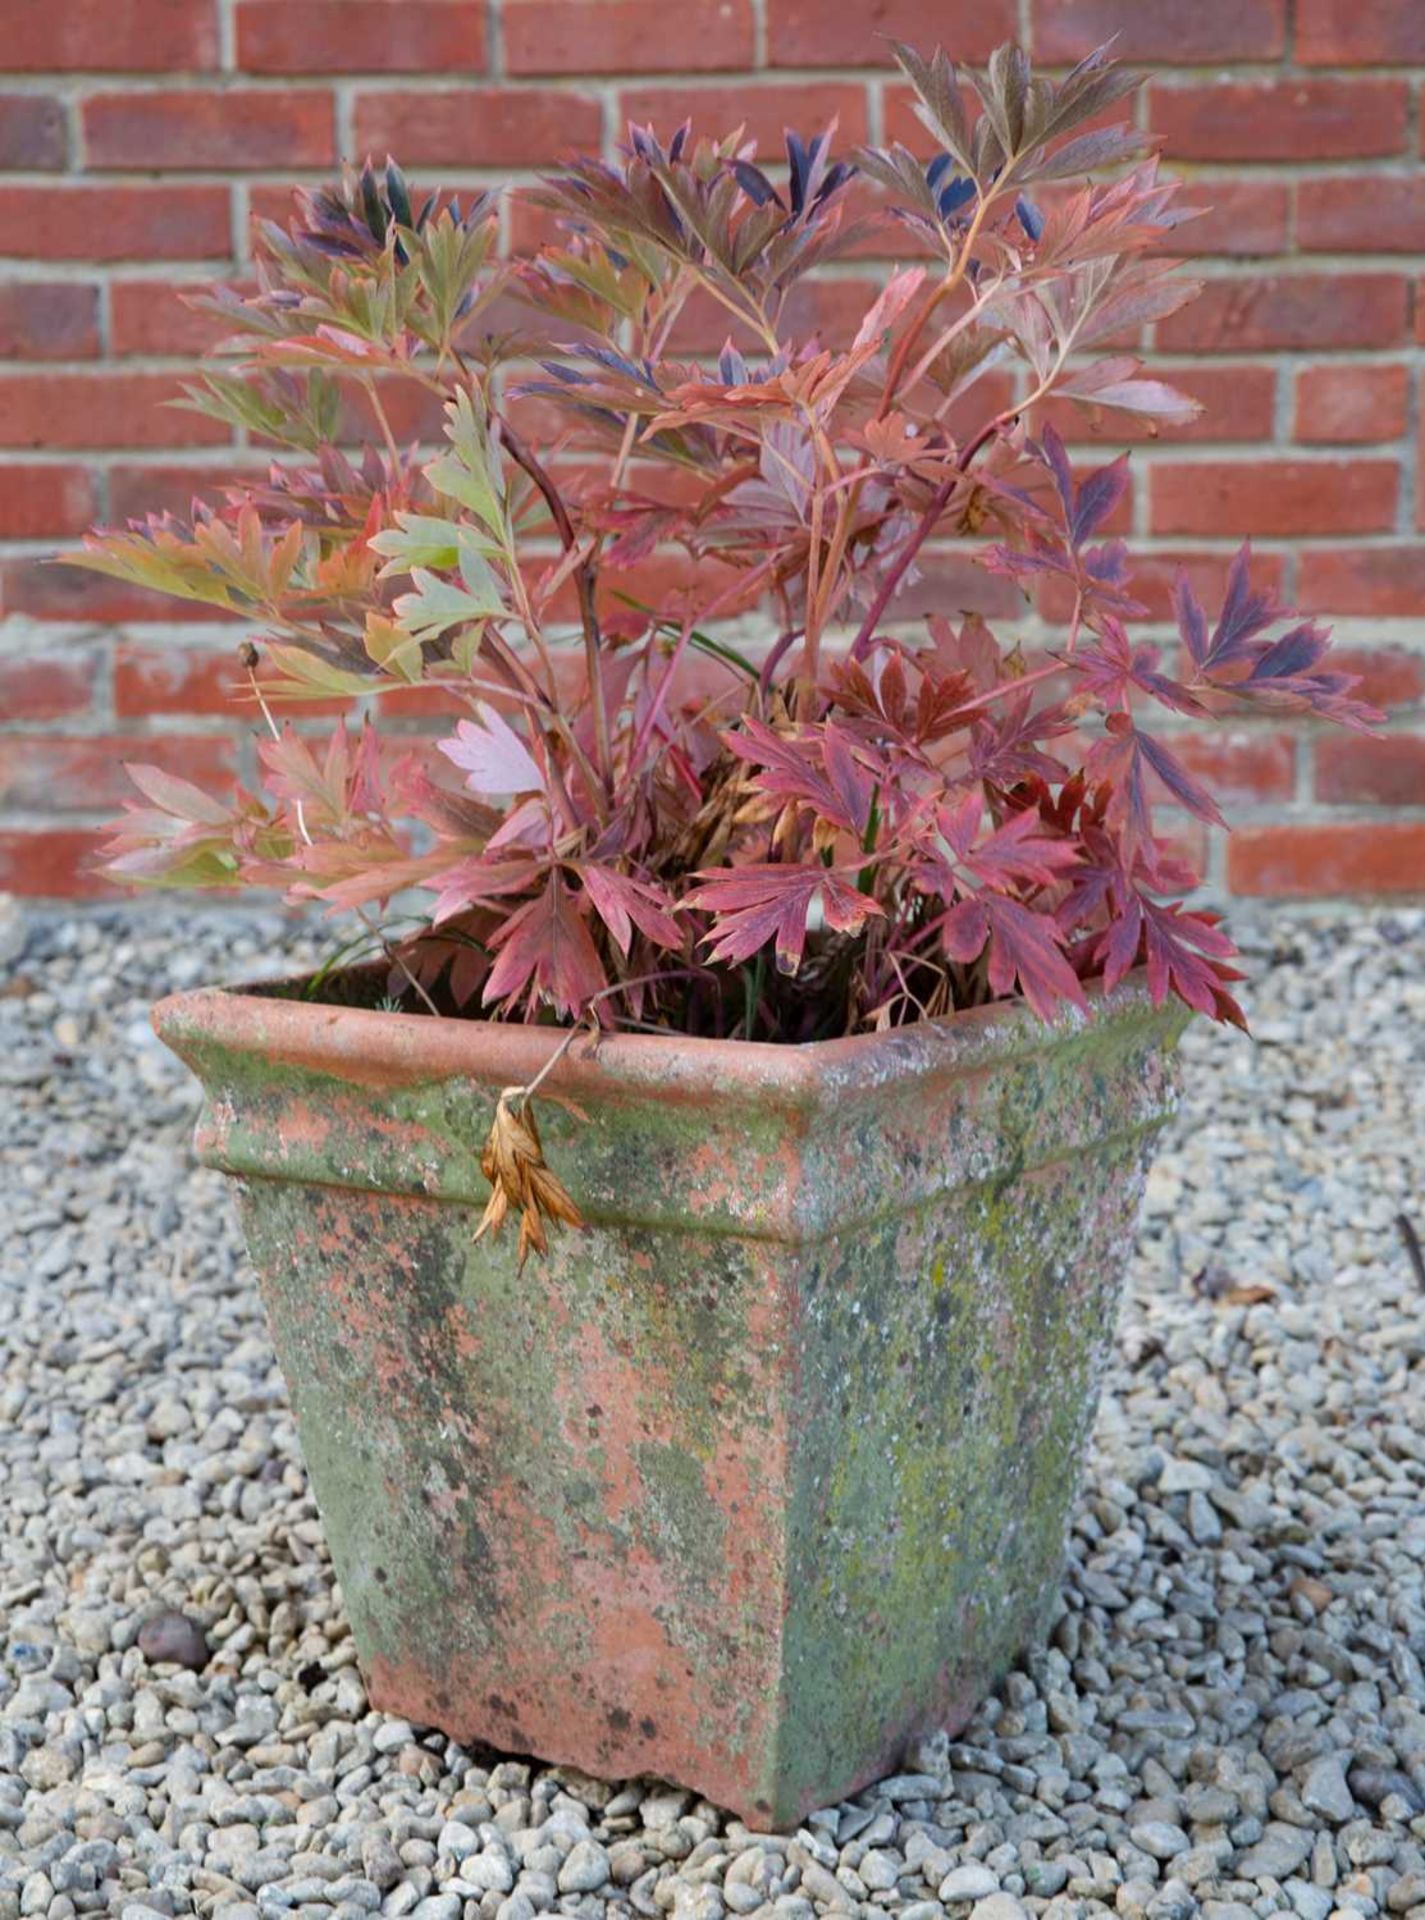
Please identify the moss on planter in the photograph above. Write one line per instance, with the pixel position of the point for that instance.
(767, 1470)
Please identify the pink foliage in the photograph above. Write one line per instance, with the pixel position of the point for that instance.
(849, 825)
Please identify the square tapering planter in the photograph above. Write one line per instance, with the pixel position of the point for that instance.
(767, 1471)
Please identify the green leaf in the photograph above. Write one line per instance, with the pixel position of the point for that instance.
(471, 472)
(418, 540)
(301, 674)
(392, 649)
(449, 259)
(437, 605)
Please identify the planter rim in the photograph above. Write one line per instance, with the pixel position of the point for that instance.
(380, 1049)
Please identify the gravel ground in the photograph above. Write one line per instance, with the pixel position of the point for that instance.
(1230, 1718)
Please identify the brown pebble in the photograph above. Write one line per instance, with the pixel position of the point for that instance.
(173, 1637)
(1315, 1592)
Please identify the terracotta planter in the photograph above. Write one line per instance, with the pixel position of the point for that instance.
(767, 1471)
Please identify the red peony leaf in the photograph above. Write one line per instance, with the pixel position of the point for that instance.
(623, 903)
(545, 954)
(754, 905)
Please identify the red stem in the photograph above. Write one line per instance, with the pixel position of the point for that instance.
(866, 633)
(583, 581)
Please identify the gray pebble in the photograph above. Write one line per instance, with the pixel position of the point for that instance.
(1323, 1790)
(999, 1906)
(1277, 1855)
(585, 1870)
(1241, 1602)
(1160, 1839)
(972, 1882)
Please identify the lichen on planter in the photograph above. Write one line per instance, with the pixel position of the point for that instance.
(770, 1468)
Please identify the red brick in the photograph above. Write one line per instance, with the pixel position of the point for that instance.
(626, 36)
(192, 681)
(766, 112)
(48, 320)
(530, 227)
(141, 489)
(1388, 676)
(1284, 119)
(1238, 219)
(173, 680)
(1240, 763)
(1185, 32)
(1153, 574)
(1389, 771)
(37, 502)
(46, 591)
(115, 223)
(1351, 406)
(1369, 213)
(361, 36)
(78, 773)
(158, 317)
(1347, 33)
(267, 202)
(110, 36)
(57, 864)
(478, 126)
(201, 132)
(1385, 581)
(1290, 310)
(99, 410)
(1274, 497)
(809, 33)
(48, 686)
(1308, 861)
(33, 135)
(1238, 403)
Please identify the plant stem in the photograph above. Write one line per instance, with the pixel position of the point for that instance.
(947, 286)
(587, 1020)
(384, 423)
(941, 498)
(585, 586)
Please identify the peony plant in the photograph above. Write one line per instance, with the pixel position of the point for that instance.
(635, 815)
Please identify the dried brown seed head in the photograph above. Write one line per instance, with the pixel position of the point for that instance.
(513, 1162)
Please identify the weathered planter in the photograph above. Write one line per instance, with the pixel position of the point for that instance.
(767, 1471)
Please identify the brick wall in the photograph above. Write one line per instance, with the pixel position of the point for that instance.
(137, 136)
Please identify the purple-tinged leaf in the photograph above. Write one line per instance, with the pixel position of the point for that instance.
(1292, 654)
(1096, 499)
(1057, 459)
(1179, 782)
(1244, 613)
(964, 931)
(1192, 621)
(1025, 950)
(1019, 854)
